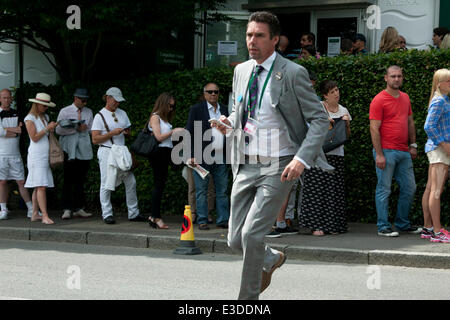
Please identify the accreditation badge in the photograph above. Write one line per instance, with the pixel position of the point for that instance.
(251, 126)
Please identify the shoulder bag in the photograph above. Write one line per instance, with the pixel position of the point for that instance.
(145, 143)
(336, 135)
(55, 152)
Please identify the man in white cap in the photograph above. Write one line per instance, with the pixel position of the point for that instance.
(111, 125)
(75, 122)
(11, 164)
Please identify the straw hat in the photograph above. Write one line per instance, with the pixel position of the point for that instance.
(43, 98)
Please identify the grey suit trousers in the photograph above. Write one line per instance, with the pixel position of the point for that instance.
(256, 198)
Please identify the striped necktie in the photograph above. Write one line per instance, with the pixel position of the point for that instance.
(253, 95)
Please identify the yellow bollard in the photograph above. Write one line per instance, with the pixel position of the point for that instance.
(187, 239)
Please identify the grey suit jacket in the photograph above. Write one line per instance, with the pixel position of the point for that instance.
(292, 95)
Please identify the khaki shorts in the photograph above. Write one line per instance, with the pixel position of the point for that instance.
(438, 156)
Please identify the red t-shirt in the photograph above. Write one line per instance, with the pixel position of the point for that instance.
(393, 114)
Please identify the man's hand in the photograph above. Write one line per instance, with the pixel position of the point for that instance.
(82, 127)
(192, 162)
(380, 161)
(117, 131)
(413, 153)
(292, 171)
(220, 127)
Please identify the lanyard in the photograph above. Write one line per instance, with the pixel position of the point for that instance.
(263, 89)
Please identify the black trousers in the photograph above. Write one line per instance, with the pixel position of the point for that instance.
(75, 174)
(160, 162)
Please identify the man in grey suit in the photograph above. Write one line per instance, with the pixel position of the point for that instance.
(273, 114)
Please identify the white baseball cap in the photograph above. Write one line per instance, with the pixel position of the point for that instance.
(115, 93)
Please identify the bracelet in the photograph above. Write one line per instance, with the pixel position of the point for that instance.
(46, 130)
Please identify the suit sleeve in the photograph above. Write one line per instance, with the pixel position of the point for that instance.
(314, 114)
(232, 115)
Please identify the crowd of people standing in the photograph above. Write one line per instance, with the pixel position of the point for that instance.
(321, 200)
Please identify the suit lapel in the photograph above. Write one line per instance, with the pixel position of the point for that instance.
(243, 90)
(278, 75)
(205, 110)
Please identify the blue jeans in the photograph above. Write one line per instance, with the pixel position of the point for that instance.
(220, 176)
(398, 166)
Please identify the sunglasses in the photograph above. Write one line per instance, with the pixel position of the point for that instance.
(84, 100)
(114, 116)
(212, 91)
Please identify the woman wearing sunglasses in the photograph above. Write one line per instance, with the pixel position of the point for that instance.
(160, 118)
(39, 174)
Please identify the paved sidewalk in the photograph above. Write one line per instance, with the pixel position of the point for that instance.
(360, 245)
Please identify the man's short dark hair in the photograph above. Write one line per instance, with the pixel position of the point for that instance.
(311, 36)
(327, 86)
(441, 31)
(393, 67)
(360, 36)
(270, 19)
(346, 45)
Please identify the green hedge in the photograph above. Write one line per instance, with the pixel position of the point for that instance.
(360, 79)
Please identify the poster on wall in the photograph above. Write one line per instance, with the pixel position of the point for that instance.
(227, 48)
(334, 46)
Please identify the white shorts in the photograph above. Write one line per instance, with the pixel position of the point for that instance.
(11, 168)
(438, 156)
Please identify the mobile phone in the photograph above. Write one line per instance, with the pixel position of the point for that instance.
(218, 122)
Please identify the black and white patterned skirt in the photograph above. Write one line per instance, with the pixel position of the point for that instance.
(322, 204)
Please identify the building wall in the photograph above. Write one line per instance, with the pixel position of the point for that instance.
(36, 68)
(7, 65)
(414, 19)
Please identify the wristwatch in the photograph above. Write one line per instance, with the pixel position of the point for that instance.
(413, 145)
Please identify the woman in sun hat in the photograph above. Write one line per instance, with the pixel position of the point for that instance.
(39, 174)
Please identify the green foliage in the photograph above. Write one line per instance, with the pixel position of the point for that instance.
(359, 78)
(140, 95)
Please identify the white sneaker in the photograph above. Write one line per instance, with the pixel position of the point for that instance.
(3, 215)
(82, 214)
(66, 214)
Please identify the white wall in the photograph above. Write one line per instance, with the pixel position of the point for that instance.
(414, 19)
(36, 67)
(7, 65)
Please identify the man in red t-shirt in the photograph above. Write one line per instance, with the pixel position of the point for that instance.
(394, 142)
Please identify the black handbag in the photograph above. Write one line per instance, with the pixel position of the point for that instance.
(145, 143)
(336, 136)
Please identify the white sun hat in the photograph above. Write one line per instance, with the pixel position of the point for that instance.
(43, 98)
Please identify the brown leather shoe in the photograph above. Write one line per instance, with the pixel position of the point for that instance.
(267, 276)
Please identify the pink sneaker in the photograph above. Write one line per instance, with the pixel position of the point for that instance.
(445, 232)
(440, 237)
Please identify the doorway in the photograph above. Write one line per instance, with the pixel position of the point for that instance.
(345, 28)
(292, 26)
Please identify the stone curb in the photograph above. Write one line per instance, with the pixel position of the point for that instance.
(333, 255)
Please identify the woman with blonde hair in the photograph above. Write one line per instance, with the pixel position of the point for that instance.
(445, 44)
(159, 123)
(39, 173)
(437, 127)
(389, 40)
